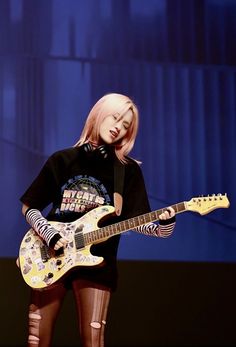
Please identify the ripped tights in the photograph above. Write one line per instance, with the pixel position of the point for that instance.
(91, 302)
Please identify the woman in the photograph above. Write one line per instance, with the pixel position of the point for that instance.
(95, 172)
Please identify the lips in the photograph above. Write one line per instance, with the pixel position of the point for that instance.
(114, 133)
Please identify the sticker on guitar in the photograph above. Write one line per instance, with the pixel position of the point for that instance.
(41, 267)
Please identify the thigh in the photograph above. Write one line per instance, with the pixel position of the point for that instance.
(43, 311)
(92, 305)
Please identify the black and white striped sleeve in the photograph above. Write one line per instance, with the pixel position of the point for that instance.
(163, 229)
(42, 226)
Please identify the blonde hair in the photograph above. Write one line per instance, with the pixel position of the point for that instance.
(111, 104)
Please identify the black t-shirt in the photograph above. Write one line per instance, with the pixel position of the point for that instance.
(73, 182)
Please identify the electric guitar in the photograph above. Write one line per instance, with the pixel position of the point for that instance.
(42, 267)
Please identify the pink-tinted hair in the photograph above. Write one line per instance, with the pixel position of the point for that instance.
(111, 104)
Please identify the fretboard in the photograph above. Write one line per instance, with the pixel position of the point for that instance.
(128, 224)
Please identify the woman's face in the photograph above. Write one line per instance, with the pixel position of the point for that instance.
(114, 127)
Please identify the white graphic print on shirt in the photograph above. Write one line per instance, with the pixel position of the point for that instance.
(81, 194)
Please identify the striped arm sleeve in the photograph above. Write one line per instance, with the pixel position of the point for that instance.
(159, 230)
(42, 226)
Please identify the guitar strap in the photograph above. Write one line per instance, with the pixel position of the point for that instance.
(119, 173)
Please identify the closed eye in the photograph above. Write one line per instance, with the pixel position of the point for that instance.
(126, 125)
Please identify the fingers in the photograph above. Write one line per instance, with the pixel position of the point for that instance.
(171, 211)
(60, 243)
(168, 213)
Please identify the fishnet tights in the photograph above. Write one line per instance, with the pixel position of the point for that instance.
(91, 303)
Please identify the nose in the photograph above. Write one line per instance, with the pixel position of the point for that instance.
(118, 127)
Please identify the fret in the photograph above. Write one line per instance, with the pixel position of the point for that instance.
(126, 223)
(131, 223)
(106, 232)
(118, 227)
(148, 218)
(176, 207)
(153, 216)
(89, 237)
(122, 224)
(141, 220)
(100, 234)
(135, 221)
(85, 239)
(94, 236)
(111, 230)
(97, 235)
(181, 207)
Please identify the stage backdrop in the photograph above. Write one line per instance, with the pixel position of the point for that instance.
(176, 59)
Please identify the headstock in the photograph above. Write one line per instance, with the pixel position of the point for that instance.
(206, 204)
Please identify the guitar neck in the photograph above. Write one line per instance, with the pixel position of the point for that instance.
(128, 224)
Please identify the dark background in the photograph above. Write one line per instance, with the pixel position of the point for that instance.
(176, 59)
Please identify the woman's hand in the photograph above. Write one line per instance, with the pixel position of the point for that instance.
(169, 213)
(62, 242)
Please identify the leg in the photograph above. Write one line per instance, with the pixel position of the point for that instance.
(43, 310)
(92, 305)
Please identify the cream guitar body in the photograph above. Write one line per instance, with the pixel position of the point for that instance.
(41, 267)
